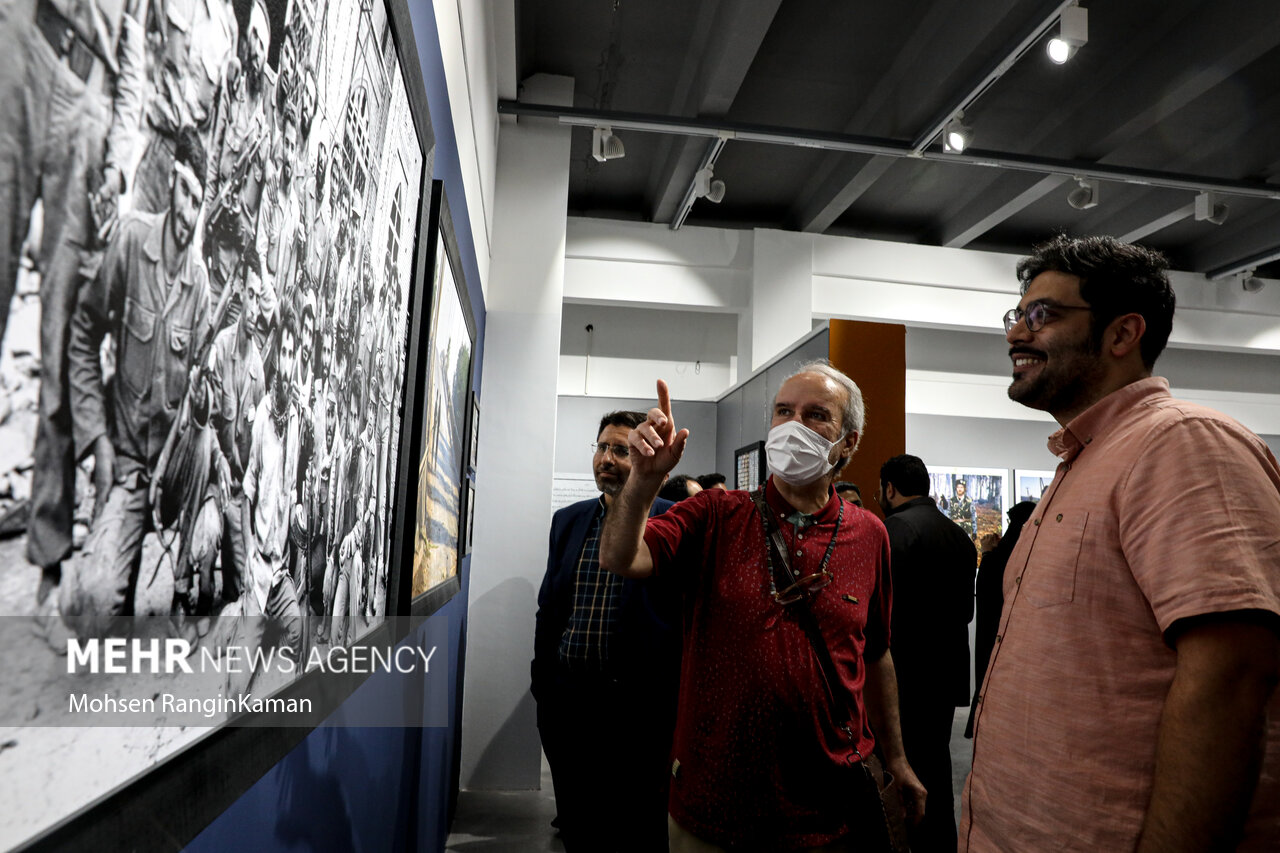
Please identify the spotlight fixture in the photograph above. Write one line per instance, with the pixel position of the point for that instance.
(606, 146)
(1249, 282)
(706, 186)
(956, 135)
(1073, 34)
(1209, 209)
(1083, 196)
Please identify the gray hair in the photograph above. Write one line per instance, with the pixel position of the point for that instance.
(853, 415)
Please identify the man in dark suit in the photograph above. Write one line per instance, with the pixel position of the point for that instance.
(606, 671)
(934, 563)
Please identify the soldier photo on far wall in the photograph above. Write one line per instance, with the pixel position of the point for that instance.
(204, 282)
(974, 498)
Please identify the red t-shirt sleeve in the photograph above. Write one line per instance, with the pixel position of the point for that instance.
(680, 530)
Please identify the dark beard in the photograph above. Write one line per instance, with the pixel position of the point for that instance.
(279, 403)
(253, 79)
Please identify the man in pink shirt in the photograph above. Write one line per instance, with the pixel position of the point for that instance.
(1130, 700)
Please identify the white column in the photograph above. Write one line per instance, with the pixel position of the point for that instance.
(781, 293)
(500, 749)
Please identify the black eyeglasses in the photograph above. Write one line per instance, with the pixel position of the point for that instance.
(1037, 314)
(619, 451)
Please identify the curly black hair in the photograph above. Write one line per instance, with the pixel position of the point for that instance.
(1115, 278)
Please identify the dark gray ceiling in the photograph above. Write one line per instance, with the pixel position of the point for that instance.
(1179, 93)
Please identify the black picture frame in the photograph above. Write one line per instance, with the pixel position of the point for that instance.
(470, 516)
(474, 432)
(749, 470)
(442, 267)
(169, 804)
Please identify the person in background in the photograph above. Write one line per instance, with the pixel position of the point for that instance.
(850, 492)
(606, 666)
(989, 595)
(1130, 702)
(713, 481)
(933, 566)
(678, 488)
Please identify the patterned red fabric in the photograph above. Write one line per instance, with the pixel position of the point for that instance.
(760, 760)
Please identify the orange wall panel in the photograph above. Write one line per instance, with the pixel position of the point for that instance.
(874, 355)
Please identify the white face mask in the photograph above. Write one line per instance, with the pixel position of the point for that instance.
(796, 454)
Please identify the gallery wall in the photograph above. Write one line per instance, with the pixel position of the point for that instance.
(578, 418)
(742, 414)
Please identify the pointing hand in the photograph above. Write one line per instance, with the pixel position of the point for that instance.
(656, 445)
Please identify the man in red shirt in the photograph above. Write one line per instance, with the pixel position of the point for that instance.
(1129, 702)
(767, 751)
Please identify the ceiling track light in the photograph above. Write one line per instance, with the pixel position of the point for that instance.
(956, 135)
(1249, 282)
(1209, 209)
(1073, 34)
(606, 146)
(706, 186)
(1085, 195)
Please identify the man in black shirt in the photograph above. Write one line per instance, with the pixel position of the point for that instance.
(933, 562)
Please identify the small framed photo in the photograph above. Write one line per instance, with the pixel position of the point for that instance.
(1031, 485)
(749, 467)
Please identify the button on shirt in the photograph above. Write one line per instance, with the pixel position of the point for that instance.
(1161, 510)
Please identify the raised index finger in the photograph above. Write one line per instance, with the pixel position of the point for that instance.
(664, 400)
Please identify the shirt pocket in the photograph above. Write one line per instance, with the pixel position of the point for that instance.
(1050, 576)
(176, 365)
(135, 345)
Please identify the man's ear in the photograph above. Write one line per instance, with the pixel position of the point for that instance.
(848, 443)
(1124, 335)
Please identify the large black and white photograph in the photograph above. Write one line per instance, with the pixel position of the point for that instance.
(204, 280)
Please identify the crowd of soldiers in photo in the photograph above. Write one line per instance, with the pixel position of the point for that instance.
(215, 335)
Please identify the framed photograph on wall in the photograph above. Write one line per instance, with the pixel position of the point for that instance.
(974, 498)
(749, 470)
(474, 442)
(1030, 485)
(287, 362)
(470, 515)
(445, 410)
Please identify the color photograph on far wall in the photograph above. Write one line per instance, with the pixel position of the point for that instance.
(1031, 484)
(974, 498)
(444, 447)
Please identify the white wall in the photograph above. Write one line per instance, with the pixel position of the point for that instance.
(630, 348)
(477, 43)
(1223, 350)
(513, 501)
(578, 418)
